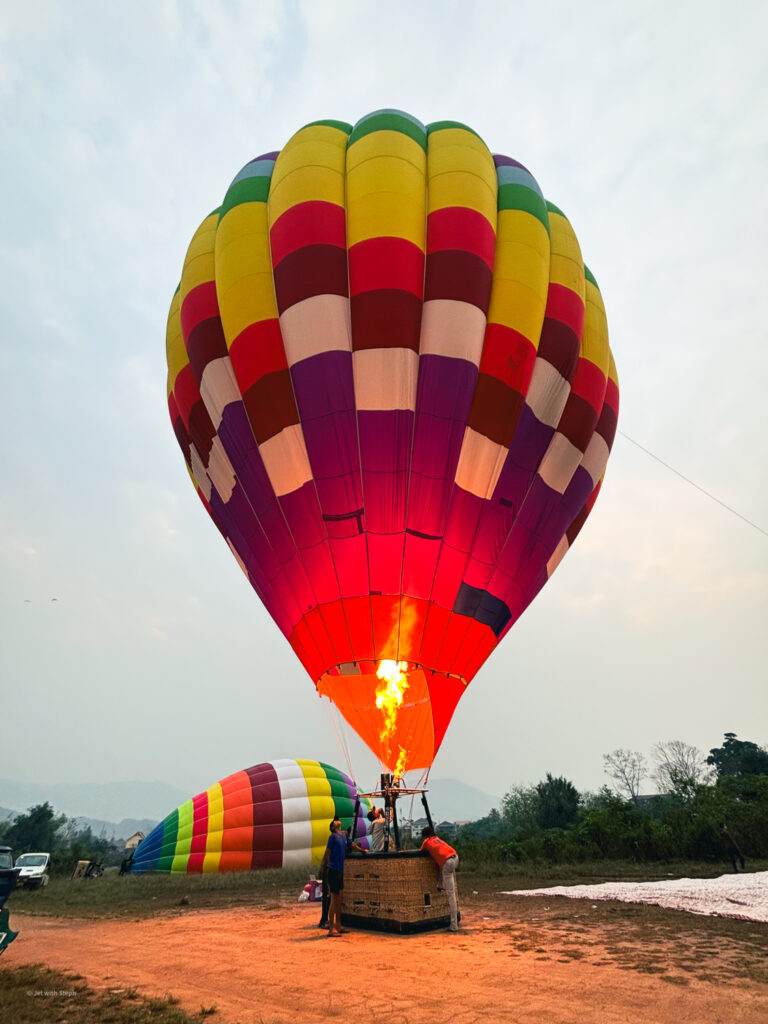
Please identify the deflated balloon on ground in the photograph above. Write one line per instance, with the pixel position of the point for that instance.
(273, 815)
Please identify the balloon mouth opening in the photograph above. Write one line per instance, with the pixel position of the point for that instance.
(399, 709)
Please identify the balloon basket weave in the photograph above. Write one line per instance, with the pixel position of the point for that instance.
(393, 892)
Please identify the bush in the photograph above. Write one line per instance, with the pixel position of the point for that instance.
(606, 827)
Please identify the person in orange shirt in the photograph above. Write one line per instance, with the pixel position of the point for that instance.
(447, 861)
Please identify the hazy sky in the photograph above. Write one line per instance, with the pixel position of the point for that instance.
(124, 124)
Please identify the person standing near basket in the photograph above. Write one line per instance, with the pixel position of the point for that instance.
(378, 829)
(325, 904)
(335, 855)
(447, 861)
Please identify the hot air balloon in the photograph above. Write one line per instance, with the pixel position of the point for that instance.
(273, 815)
(390, 377)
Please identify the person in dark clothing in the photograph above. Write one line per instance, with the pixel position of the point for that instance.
(326, 900)
(731, 849)
(339, 845)
(335, 855)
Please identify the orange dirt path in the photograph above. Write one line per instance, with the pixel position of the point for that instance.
(273, 964)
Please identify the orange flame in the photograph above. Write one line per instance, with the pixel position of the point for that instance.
(389, 699)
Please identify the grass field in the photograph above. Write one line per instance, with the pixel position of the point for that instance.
(146, 895)
(33, 994)
(139, 896)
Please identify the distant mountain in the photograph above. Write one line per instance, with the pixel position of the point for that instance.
(104, 801)
(120, 830)
(453, 800)
(110, 829)
(122, 808)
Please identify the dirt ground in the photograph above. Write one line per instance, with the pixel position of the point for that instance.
(516, 959)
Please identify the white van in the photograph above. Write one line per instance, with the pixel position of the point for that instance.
(33, 870)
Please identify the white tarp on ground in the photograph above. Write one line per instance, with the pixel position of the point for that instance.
(744, 895)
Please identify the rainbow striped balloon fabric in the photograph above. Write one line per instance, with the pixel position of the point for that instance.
(273, 815)
(390, 377)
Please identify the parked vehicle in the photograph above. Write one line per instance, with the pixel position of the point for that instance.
(8, 874)
(34, 870)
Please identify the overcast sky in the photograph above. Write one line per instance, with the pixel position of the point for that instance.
(647, 124)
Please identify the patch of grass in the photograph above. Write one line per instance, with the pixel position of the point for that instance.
(34, 994)
(137, 896)
(634, 937)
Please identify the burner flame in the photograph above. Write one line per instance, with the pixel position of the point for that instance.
(389, 699)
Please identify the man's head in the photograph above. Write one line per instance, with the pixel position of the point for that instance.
(426, 832)
(371, 814)
(335, 826)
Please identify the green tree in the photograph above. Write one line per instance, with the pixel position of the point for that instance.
(492, 826)
(77, 842)
(35, 830)
(615, 828)
(738, 757)
(558, 802)
(520, 810)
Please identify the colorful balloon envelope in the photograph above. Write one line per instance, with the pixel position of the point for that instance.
(273, 815)
(390, 377)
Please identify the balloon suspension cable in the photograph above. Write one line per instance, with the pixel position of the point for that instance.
(335, 721)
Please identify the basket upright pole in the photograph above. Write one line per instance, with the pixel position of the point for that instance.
(394, 820)
(426, 810)
(354, 820)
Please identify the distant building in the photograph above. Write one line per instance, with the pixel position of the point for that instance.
(411, 829)
(133, 841)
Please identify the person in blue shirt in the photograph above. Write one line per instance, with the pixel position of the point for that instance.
(326, 900)
(335, 854)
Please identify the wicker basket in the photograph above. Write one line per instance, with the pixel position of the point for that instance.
(394, 892)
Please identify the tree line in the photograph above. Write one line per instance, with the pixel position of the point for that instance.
(552, 821)
(697, 796)
(41, 830)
